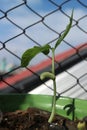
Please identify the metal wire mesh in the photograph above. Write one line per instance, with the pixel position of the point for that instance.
(22, 26)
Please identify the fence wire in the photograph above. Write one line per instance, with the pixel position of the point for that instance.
(22, 26)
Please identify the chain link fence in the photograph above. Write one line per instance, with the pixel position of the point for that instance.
(26, 23)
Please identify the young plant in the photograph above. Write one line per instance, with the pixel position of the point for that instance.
(81, 126)
(29, 54)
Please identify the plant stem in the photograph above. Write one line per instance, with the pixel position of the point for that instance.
(54, 85)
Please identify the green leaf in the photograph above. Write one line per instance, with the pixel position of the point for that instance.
(47, 75)
(65, 32)
(29, 54)
(70, 108)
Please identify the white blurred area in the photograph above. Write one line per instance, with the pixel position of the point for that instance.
(71, 83)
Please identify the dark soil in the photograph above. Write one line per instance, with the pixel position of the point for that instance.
(34, 119)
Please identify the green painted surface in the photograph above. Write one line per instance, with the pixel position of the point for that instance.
(12, 102)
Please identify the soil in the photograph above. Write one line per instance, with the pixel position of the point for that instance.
(34, 119)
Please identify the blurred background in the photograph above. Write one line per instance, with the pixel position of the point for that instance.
(27, 23)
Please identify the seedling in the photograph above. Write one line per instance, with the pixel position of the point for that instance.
(29, 54)
(70, 109)
(81, 126)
